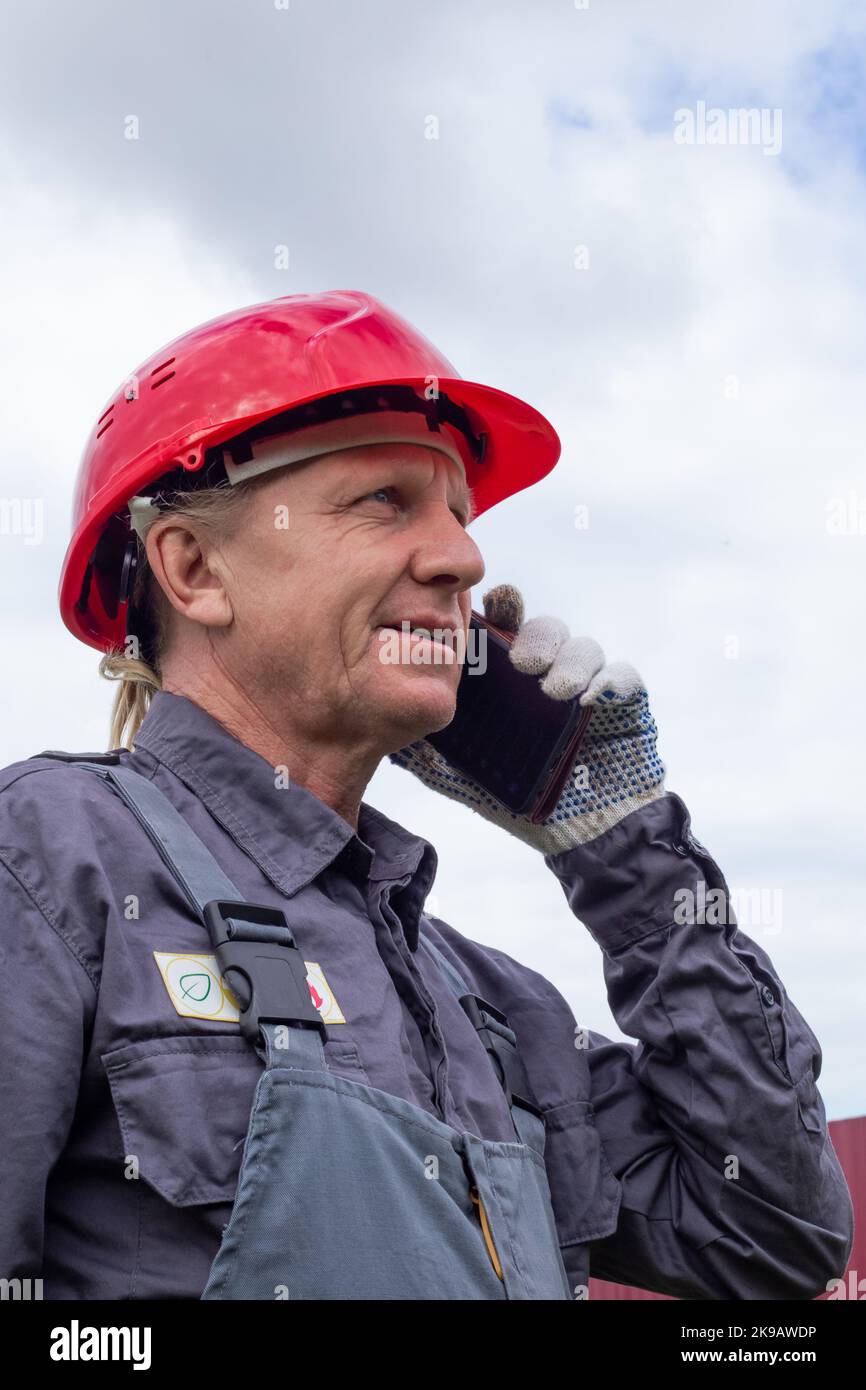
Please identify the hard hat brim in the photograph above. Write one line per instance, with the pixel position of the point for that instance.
(521, 448)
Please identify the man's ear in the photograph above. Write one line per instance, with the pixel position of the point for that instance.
(187, 568)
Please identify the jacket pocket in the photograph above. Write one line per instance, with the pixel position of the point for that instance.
(585, 1193)
(183, 1106)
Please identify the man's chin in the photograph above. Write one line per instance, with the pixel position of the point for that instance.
(421, 707)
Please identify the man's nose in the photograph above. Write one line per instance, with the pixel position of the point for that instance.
(444, 552)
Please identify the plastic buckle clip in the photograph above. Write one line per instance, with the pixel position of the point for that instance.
(506, 1060)
(262, 966)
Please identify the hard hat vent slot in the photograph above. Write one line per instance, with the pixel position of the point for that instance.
(157, 373)
(100, 433)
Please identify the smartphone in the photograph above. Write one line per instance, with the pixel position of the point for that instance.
(507, 735)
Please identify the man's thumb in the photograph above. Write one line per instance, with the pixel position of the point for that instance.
(503, 606)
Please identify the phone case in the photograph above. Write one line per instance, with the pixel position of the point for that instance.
(551, 788)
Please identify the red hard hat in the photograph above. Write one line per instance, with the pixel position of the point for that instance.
(249, 366)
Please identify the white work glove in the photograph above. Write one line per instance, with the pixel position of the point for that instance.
(617, 768)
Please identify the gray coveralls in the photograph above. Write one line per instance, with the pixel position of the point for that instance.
(367, 1147)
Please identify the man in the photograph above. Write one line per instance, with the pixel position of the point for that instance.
(239, 1060)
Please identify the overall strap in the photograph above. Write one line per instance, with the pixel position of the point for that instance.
(254, 945)
(183, 853)
(500, 1043)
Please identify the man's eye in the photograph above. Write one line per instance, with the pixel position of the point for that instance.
(385, 492)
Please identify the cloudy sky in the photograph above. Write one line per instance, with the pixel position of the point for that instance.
(689, 313)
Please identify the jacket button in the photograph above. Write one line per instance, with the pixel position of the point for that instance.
(768, 996)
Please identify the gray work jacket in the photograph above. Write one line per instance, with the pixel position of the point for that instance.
(695, 1162)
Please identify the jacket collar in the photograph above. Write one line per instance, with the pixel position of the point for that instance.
(287, 831)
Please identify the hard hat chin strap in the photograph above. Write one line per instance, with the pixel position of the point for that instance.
(137, 626)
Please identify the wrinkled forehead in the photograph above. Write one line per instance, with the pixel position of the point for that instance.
(418, 456)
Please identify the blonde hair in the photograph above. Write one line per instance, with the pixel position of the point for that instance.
(218, 509)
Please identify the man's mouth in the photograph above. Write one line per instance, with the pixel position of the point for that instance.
(424, 632)
(424, 623)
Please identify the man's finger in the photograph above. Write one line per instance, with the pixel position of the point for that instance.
(614, 684)
(577, 661)
(535, 647)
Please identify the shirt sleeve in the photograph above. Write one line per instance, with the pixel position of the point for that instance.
(712, 1122)
(46, 1003)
